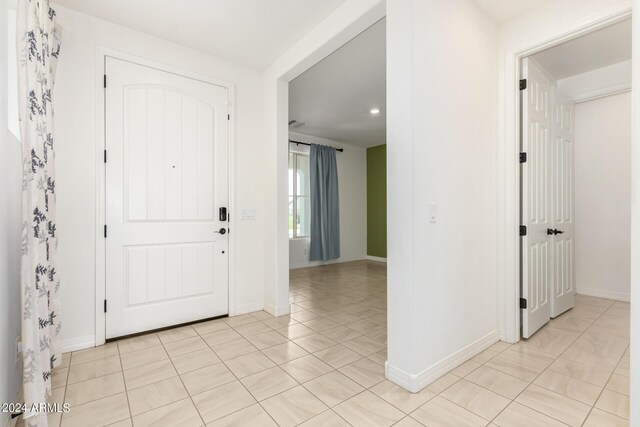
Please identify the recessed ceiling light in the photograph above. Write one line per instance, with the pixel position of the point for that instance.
(375, 110)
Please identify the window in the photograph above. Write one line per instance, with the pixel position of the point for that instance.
(299, 208)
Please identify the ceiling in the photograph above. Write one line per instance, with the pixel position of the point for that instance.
(608, 46)
(503, 11)
(334, 97)
(225, 28)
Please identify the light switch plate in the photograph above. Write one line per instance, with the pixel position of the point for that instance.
(433, 213)
(248, 214)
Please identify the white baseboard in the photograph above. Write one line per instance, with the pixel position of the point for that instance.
(416, 382)
(604, 293)
(248, 308)
(307, 264)
(376, 258)
(79, 343)
(277, 311)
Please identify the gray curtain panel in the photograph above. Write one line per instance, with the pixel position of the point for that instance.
(325, 209)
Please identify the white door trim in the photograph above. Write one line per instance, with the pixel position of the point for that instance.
(509, 167)
(100, 55)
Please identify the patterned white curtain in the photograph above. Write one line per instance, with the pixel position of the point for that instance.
(38, 49)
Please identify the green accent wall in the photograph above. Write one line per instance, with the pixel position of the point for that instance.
(377, 201)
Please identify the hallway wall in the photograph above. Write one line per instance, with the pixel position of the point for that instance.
(603, 196)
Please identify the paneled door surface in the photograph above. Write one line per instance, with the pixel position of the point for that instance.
(167, 140)
(563, 234)
(536, 209)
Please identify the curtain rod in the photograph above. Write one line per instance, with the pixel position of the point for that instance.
(306, 143)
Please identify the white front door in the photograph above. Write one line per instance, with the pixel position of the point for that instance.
(166, 180)
(563, 277)
(536, 212)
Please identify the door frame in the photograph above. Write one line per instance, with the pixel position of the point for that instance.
(508, 159)
(100, 67)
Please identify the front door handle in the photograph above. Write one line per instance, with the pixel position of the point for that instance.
(221, 231)
(559, 232)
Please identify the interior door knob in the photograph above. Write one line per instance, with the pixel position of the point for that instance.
(221, 231)
(553, 231)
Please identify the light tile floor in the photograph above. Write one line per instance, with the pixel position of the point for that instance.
(324, 366)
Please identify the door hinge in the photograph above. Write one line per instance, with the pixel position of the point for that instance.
(105, 231)
(523, 157)
(523, 84)
(105, 156)
(105, 306)
(104, 81)
(523, 303)
(523, 230)
(228, 116)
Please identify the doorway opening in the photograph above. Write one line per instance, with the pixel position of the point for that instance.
(337, 199)
(340, 103)
(575, 182)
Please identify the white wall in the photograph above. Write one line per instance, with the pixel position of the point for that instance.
(603, 196)
(352, 187)
(10, 193)
(605, 80)
(442, 115)
(75, 100)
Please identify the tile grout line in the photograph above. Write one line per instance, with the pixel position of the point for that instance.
(124, 381)
(239, 381)
(180, 378)
(324, 315)
(367, 303)
(511, 400)
(459, 378)
(66, 383)
(245, 387)
(546, 368)
(602, 391)
(369, 356)
(610, 376)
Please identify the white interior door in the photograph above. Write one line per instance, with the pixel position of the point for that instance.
(562, 239)
(166, 178)
(536, 212)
